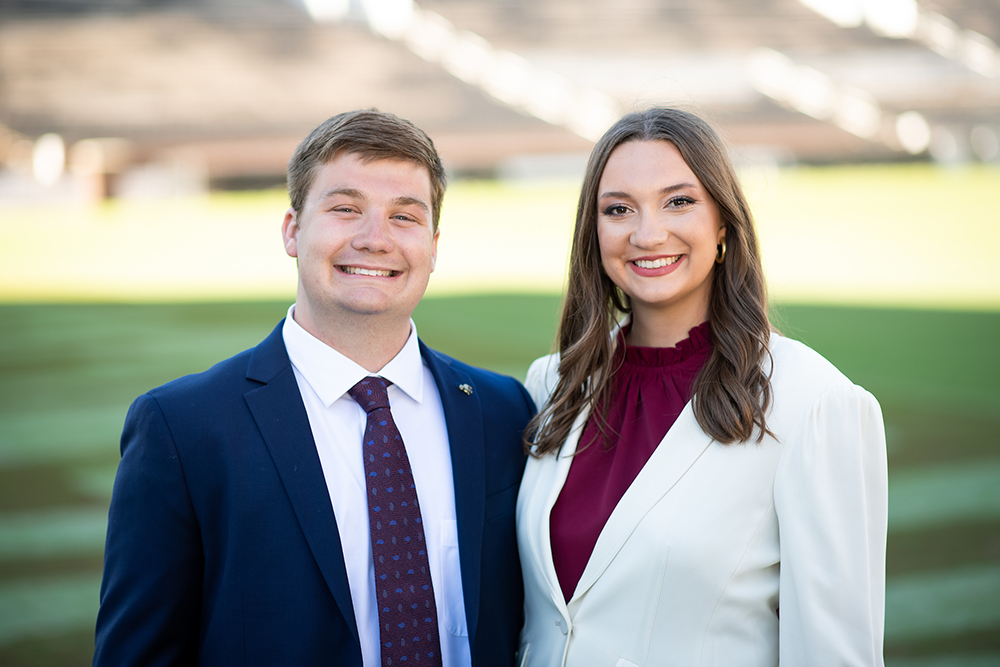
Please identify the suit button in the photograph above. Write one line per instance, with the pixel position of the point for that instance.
(564, 627)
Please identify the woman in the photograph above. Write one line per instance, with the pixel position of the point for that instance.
(702, 491)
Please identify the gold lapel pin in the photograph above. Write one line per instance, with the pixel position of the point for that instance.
(467, 389)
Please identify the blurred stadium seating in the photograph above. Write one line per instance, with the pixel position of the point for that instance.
(228, 88)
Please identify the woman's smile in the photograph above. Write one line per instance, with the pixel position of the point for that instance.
(660, 266)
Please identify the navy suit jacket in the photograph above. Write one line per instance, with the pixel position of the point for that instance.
(222, 546)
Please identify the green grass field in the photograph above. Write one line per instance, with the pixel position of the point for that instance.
(918, 235)
(68, 373)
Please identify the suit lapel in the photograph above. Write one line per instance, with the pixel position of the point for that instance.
(281, 417)
(680, 448)
(463, 416)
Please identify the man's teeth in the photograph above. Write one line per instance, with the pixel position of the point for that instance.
(656, 263)
(366, 272)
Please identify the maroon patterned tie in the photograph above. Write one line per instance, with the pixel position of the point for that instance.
(407, 615)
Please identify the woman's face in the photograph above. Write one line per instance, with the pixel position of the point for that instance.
(658, 230)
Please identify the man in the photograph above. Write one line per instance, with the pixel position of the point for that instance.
(255, 519)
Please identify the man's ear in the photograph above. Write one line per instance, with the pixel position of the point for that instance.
(289, 232)
(434, 249)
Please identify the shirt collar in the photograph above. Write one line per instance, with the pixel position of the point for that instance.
(331, 374)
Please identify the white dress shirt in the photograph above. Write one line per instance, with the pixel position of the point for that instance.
(324, 376)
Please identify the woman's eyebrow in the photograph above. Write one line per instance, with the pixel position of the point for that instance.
(674, 188)
(616, 194)
(665, 191)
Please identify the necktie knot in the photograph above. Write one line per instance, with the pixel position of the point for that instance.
(371, 393)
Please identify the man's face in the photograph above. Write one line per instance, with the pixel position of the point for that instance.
(364, 240)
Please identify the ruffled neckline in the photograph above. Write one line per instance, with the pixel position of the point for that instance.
(640, 358)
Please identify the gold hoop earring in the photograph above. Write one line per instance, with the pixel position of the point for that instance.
(720, 251)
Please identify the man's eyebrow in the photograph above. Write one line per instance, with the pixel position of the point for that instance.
(353, 193)
(665, 191)
(411, 201)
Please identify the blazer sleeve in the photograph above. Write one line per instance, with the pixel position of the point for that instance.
(831, 499)
(151, 591)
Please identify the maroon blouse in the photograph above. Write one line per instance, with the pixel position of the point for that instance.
(650, 390)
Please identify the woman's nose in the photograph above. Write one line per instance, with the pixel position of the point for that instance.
(649, 232)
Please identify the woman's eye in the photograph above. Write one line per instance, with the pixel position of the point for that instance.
(679, 202)
(616, 210)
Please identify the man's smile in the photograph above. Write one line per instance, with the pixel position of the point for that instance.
(361, 271)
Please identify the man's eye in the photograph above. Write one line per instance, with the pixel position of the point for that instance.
(616, 210)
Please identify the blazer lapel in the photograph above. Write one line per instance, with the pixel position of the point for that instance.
(463, 416)
(680, 448)
(548, 487)
(281, 417)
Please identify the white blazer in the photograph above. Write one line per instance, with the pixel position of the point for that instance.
(711, 540)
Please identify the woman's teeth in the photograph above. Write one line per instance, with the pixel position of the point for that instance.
(656, 263)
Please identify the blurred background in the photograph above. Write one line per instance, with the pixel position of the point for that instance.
(142, 154)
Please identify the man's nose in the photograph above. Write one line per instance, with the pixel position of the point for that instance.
(375, 233)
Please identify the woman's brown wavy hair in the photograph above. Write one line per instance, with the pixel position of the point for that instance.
(732, 392)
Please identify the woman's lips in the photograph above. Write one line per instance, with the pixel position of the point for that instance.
(656, 266)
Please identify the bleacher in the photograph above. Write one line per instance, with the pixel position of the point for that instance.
(240, 83)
